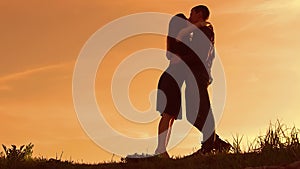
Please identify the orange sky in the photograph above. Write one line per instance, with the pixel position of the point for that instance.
(257, 41)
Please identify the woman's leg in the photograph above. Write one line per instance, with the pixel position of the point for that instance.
(168, 102)
(164, 130)
(169, 131)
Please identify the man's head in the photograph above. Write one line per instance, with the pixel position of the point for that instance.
(199, 13)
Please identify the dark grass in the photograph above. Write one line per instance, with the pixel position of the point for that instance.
(217, 161)
(279, 146)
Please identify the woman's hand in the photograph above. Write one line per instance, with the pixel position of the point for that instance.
(175, 59)
(190, 29)
(201, 24)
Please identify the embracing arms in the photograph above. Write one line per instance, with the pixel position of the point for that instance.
(190, 29)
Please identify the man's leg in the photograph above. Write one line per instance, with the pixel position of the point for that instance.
(208, 132)
(198, 108)
(205, 121)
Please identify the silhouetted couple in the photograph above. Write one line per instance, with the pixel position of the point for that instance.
(190, 49)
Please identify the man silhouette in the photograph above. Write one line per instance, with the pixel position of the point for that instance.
(199, 60)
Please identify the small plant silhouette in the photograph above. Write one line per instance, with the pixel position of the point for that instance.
(237, 141)
(278, 137)
(21, 154)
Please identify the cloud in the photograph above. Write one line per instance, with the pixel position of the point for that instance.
(253, 78)
(263, 14)
(265, 7)
(282, 12)
(277, 4)
(5, 88)
(6, 84)
(25, 73)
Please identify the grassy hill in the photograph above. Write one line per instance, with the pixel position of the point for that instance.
(279, 146)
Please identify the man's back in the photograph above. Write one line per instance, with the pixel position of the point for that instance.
(201, 44)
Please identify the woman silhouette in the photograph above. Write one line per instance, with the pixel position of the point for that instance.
(170, 82)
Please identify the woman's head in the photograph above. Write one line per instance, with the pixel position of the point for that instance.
(200, 12)
(177, 23)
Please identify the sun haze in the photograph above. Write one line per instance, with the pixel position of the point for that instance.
(257, 42)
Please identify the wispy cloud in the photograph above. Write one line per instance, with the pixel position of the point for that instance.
(5, 88)
(281, 12)
(265, 7)
(25, 73)
(277, 4)
(5, 80)
(266, 13)
(253, 78)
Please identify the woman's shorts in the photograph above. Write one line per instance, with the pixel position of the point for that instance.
(169, 91)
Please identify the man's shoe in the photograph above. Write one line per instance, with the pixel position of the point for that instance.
(208, 145)
(221, 145)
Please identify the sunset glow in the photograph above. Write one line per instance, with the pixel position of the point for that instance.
(257, 42)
